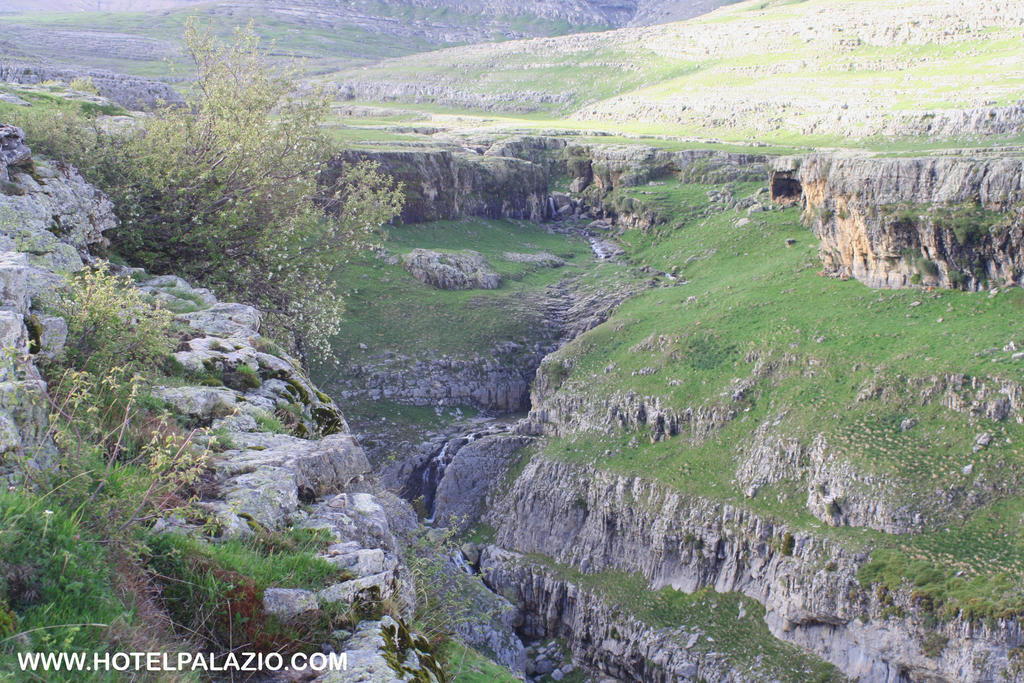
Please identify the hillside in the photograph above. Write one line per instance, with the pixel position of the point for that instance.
(143, 37)
(813, 70)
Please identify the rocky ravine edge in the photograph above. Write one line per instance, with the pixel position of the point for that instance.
(48, 217)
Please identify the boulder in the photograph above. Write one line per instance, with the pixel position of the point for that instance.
(199, 403)
(54, 209)
(367, 590)
(16, 276)
(267, 477)
(451, 270)
(267, 496)
(225, 320)
(288, 604)
(360, 561)
(13, 335)
(53, 335)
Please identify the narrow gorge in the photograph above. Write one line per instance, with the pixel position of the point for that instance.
(452, 341)
(599, 483)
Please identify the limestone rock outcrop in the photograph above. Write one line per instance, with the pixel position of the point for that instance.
(451, 269)
(13, 150)
(450, 182)
(48, 217)
(598, 521)
(232, 381)
(893, 222)
(132, 92)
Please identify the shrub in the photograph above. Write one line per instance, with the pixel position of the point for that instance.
(84, 85)
(123, 462)
(788, 544)
(271, 423)
(112, 324)
(225, 191)
(926, 267)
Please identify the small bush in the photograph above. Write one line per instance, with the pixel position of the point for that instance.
(215, 591)
(249, 378)
(112, 324)
(84, 85)
(933, 644)
(927, 267)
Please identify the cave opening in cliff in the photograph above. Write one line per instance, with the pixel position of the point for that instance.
(784, 188)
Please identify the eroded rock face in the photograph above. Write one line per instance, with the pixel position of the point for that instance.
(603, 637)
(133, 92)
(596, 521)
(451, 269)
(498, 382)
(458, 499)
(613, 166)
(947, 221)
(13, 150)
(48, 217)
(451, 182)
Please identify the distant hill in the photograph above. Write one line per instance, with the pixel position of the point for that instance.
(142, 37)
(810, 67)
(504, 15)
(94, 5)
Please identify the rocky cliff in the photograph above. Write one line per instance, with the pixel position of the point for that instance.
(131, 92)
(497, 382)
(893, 222)
(448, 183)
(612, 166)
(597, 521)
(599, 634)
(511, 177)
(317, 476)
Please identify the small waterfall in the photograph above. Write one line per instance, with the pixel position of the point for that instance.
(432, 473)
(551, 207)
(604, 249)
(460, 563)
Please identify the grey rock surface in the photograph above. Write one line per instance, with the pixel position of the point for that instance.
(289, 604)
(589, 519)
(451, 270)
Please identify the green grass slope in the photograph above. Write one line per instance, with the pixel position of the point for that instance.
(146, 40)
(818, 70)
(838, 361)
(150, 44)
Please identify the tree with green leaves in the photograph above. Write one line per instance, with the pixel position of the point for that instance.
(226, 191)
